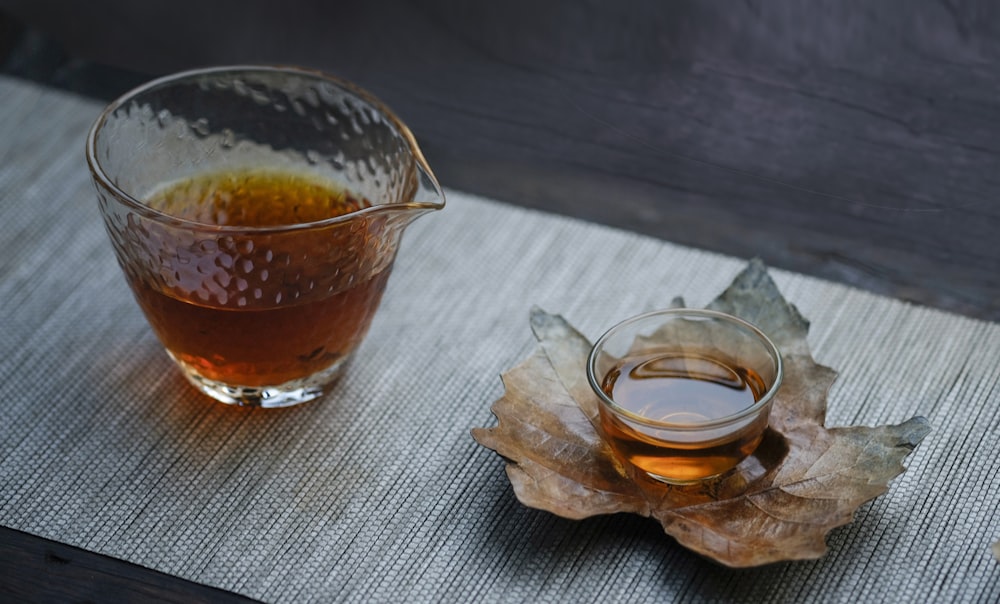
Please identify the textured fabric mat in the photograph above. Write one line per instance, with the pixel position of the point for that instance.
(378, 492)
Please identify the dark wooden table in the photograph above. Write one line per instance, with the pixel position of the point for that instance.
(847, 140)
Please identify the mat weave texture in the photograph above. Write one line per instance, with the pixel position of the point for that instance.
(378, 491)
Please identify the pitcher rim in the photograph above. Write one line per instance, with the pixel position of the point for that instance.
(101, 177)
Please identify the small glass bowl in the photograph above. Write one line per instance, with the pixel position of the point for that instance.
(684, 394)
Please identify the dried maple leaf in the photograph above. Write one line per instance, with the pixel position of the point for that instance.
(779, 504)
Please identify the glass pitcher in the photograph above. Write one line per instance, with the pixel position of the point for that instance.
(256, 213)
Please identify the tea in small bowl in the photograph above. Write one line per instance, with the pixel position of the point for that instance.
(685, 394)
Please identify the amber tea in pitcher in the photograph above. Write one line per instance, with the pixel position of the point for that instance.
(255, 324)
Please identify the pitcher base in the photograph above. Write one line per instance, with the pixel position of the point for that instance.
(288, 394)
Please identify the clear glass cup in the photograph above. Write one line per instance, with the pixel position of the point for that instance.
(257, 312)
(684, 394)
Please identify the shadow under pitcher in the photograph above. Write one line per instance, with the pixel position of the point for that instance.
(256, 213)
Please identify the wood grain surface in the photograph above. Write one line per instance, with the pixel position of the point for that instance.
(39, 570)
(850, 140)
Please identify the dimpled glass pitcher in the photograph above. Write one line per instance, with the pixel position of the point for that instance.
(256, 213)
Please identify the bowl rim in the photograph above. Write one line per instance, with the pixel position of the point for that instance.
(764, 401)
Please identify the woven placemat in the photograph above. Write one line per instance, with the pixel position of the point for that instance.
(378, 492)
